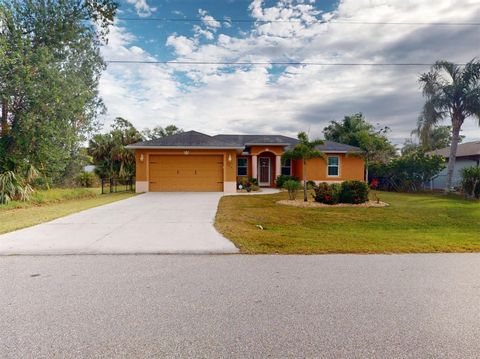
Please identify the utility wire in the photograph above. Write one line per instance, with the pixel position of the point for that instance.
(332, 22)
(243, 63)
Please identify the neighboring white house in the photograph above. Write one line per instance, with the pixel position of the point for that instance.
(468, 154)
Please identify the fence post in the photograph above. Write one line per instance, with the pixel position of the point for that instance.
(103, 179)
(111, 185)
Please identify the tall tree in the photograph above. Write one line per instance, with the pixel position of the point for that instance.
(108, 151)
(354, 130)
(304, 150)
(50, 65)
(451, 91)
(432, 137)
(159, 132)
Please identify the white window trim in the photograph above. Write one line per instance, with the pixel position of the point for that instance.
(338, 167)
(246, 166)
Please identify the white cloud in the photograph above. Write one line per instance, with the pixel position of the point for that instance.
(142, 8)
(202, 32)
(182, 44)
(270, 99)
(208, 20)
(143, 94)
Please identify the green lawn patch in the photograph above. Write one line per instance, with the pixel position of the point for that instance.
(413, 223)
(48, 205)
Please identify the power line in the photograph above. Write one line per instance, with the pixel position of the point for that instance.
(244, 63)
(332, 22)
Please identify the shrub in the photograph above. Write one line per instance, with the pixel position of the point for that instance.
(283, 178)
(471, 181)
(248, 183)
(87, 179)
(354, 192)
(13, 187)
(311, 185)
(292, 187)
(408, 172)
(327, 193)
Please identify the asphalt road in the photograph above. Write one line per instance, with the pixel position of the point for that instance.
(232, 306)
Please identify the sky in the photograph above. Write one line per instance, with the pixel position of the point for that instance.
(281, 99)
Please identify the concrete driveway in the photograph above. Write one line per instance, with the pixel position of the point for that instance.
(148, 223)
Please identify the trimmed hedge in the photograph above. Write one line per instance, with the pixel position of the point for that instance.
(353, 192)
(327, 193)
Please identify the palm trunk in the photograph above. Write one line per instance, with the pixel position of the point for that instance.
(305, 181)
(453, 153)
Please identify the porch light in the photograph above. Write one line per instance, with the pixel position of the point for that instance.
(229, 158)
(141, 158)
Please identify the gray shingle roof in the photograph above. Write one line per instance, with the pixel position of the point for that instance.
(242, 140)
(463, 150)
(186, 139)
(197, 139)
(330, 146)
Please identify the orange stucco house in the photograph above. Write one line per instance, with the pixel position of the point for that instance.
(196, 162)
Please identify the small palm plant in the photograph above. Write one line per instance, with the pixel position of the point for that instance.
(304, 150)
(15, 187)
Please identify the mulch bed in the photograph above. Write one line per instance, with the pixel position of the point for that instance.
(311, 204)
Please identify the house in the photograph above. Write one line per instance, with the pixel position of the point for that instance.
(468, 154)
(193, 161)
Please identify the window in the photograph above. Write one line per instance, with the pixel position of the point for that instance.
(333, 166)
(287, 168)
(242, 166)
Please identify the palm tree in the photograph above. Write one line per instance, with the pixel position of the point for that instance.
(451, 91)
(304, 150)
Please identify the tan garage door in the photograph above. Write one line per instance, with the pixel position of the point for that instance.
(192, 173)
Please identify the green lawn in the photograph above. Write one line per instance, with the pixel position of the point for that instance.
(412, 223)
(47, 205)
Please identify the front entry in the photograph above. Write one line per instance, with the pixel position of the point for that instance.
(264, 171)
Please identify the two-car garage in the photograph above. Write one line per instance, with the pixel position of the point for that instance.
(186, 162)
(185, 173)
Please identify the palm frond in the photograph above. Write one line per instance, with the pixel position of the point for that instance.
(453, 70)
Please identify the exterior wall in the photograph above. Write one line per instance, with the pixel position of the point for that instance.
(440, 181)
(142, 170)
(256, 150)
(351, 168)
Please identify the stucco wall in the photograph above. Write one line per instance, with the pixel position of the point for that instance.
(256, 150)
(351, 168)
